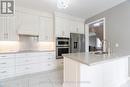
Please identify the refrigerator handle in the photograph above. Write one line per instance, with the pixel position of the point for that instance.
(75, 45)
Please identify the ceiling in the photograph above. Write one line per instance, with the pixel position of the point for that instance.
(79, 8)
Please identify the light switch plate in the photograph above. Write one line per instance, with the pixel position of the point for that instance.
(117, 45)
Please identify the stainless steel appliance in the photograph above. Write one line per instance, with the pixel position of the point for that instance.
(77, 42)
(62, 46)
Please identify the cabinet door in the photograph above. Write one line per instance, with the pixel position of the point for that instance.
(74, 26)
(46, 29)
(27, 23)
(91, 76)
(2, 27)
(7, 29)
(59, 27)
(81, 28)
(77, 27)
(62, 27)
(115, 72)
(71, 73)
(11, 29)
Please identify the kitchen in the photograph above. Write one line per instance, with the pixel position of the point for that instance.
(35, 38)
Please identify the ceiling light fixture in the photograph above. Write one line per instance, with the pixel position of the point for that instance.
(63, 4)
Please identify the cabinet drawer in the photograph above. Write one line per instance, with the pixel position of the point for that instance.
(7, 62)
(27, 69)
(7, 56)
(50, 53)
(47, 66)
(45, 59)
(7, 72)
(21, 70)
(23, 61)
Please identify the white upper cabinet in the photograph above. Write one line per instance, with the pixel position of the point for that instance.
(27, 23)
(76, 27)
(46, 32)
(7, 29)
(64, 25)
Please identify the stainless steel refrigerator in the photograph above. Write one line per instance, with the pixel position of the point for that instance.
(77, 42)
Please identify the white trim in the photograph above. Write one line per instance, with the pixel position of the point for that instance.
(86, 38)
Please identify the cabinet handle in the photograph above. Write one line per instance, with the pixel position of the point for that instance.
(3, 71)
(27, 68)
(49, 64)
(89, 82)
(2, 63)
(49, 58)
(3, 56)
(6, 36)
(26, 60)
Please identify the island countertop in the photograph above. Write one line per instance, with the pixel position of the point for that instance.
(92, 59)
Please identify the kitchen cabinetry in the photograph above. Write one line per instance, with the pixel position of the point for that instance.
(27, 63)
(27, 23)
(112, 73)
(7, 28)
(71, 76)
(46, 32)
(62, 27)
(12, 65)
(77, 27)
(65, 26)
(7, 66)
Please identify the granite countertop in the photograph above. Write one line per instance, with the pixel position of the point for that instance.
(28, 51)
(92, 59)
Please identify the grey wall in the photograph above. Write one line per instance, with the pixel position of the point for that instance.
(117, 25)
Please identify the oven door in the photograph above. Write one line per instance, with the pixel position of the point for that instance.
(63, 43)
(62, 50)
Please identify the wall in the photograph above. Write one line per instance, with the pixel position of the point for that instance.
(117, 26)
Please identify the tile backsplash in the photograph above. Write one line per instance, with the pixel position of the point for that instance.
(32, 43)
(9, 46)
(46, 46)
(15, 46)
(27, 43)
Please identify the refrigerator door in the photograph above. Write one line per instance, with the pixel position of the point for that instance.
(77, 43)
(74, 43)
(82, 43)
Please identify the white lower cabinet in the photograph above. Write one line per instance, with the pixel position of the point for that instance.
(112, 73)
(7, 66)
(7, 72)
(26, 69)
(26, 63)
(47, 66)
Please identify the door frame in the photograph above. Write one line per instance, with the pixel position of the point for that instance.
(87, 31)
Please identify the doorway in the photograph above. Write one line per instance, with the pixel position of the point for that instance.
(96, 30)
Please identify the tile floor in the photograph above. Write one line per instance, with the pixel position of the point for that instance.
(126, 84)
(53, 78)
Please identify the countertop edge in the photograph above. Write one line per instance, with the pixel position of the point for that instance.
(98, 62)
(26, 52)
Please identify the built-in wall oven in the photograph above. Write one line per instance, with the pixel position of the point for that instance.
(62, 46)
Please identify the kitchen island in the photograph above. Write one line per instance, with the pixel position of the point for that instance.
(95, 70)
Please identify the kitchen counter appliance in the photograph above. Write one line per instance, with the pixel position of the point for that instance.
(62, 46)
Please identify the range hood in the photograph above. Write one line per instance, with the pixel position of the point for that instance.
(27, 32)
(29, 35)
